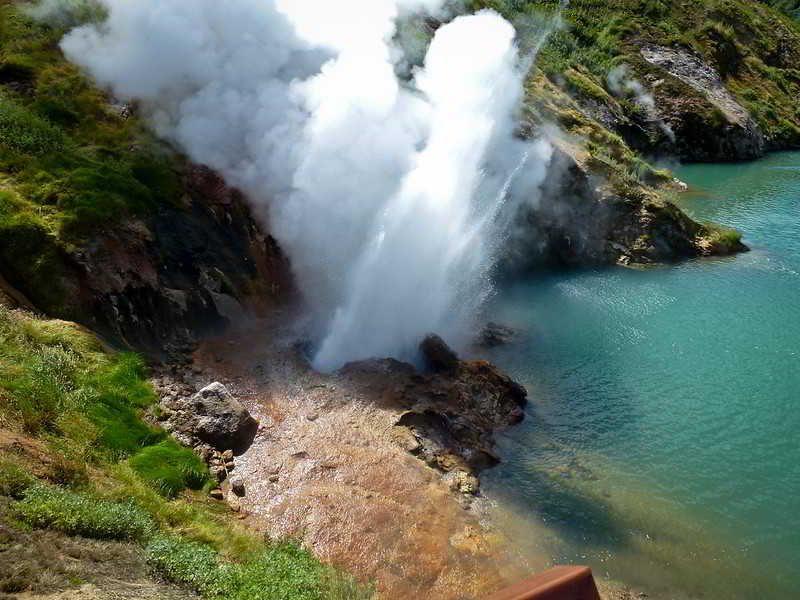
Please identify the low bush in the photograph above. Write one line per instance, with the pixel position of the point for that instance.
(76, 513)
(281, 570)
(25, 131)
(14, 480)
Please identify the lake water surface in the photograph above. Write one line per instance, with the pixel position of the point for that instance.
(662, 445)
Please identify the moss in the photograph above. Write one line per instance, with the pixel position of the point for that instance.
(719, 238)
(170, 468)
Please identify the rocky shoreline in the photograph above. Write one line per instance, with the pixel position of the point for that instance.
(375, 467)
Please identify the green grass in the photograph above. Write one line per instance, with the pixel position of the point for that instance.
(280, 570)
(25, 132)
(59, 384)
(75, 513)
(170, 468)
(14, 479)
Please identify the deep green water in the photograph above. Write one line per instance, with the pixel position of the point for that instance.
(663, 441)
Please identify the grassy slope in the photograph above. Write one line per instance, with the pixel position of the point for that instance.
(111, 476)
(70, 163)
(754, 47)
(790, 7)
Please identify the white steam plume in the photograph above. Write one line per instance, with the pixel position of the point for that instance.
(620, 82)
(390, 199)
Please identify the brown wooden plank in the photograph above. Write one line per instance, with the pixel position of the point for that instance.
(558, 583)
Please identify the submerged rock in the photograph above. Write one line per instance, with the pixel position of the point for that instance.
(495, 334)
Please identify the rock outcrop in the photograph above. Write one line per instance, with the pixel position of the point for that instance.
(160, 282)
(582, 219)
(729, 134)
(211, 419)
(451, 414)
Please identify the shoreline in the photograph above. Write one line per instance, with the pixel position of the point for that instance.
(330, 467)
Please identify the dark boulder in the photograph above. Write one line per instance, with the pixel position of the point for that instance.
(495, 334)
(438, 355)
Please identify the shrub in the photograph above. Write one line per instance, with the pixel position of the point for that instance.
(14, 480)
(25, 131)
(282, 570)
(75, 513)
(170, 468)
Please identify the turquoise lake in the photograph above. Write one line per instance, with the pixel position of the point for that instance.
(662, 444)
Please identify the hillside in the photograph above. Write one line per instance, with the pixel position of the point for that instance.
(722, 75)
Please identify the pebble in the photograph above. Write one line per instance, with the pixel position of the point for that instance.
(237, 485)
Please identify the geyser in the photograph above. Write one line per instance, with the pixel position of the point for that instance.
(391, 198)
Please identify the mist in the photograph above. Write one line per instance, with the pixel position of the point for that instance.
(620, 83)
(392, 199)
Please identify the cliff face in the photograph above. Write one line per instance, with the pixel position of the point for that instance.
(156, 282)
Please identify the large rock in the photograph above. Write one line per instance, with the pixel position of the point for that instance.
(450, 414)
(219, 419)
(438, 355)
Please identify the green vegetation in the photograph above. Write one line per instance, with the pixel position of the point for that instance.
(14, 480)
(264, 570)
(280, 570)
(49, 507)
(70, 162)
(721, 237)
(68, 152)
(58, 383)
(790, 7)
(121, 479)
(170, 468)
(755, 48)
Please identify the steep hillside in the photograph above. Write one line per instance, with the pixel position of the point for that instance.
(701, 81)
(102, 223)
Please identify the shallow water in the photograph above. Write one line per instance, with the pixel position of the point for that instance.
(663, 441)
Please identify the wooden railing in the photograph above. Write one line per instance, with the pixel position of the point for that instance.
(559, 583)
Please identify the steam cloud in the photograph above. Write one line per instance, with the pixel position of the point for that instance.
(620, 82)
(391, 198)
